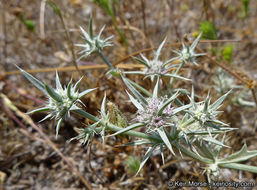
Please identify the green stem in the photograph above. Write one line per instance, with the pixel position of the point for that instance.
(237, 166)
(105, 60)
(115, 128)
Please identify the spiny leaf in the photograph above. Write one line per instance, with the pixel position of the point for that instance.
(86, 92)
(91, 27)
(165, 139)
(51, 92)
(135, 102)
(103, 104)
(239, 156)
(218, 102)
(69, 89)
(33, 80)
(146, 157)
(58, 126)
(167, 103)
(156, 87)
(39, 110)
(158, 52)
(57, 81)
(141, 61)
(140, 98)
(131, 127)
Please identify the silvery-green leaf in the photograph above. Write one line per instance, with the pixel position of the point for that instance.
(74, 107)
(46, 117)
(139, 97)
(146, 157)
(33, 80)
(206, 104)
(205, 150)
(103, 104)
(214, 141)
(170, 60)
(158, 52)
(131, 127)
(137, 143)
(39, 110)
(86, 36)
(156, 87)
(146, 92)
(167, 103)
(69, 89)
(57, 81)
(145, 59)
(51, 92)
(135, 102)
(107, 39)
(239, 156)
(185, 118)
(217, 153)
(162, 153)
(173, 132)
(194, 44)
(77, 84)
(142, 62)
(101, 31)
(237, 166)
(176, 76)
(91, 28)
(218, 102)
(134, 72)
(182, 108)
(181, 91)
(58, 126)
(85, 92)
(219, 122)
(165, 139)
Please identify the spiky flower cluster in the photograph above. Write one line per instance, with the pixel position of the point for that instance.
(61, 101)
(155, 67)
(93, 43)
(150, 115)
(205, 111)
(187, 53)
(65, 99)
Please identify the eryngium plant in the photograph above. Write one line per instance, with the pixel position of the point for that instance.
(61, 101)
(155, 67)
(192, 129)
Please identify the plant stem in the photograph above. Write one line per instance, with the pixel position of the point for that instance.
(115, 128)
(105, 60)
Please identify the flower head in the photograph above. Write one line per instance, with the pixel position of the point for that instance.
(93, 43)
(205, 111)
(61, 101)
(151, 116)
(187, 53)
(155, 67)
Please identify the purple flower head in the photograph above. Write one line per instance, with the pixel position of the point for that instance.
(150, 115)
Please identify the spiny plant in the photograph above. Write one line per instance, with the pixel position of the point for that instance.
(166, 123)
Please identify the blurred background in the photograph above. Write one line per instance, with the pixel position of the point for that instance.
(39, 36)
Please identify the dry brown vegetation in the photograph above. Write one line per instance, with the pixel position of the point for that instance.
(31, 157)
